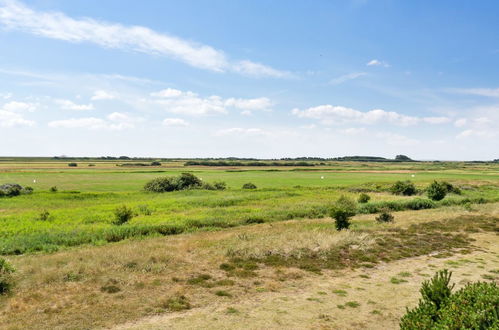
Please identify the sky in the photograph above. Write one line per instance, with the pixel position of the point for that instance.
(264, 79)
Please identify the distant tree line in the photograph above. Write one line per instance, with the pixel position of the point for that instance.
(239, 163)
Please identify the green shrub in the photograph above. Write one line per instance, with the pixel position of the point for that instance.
(11, 189)
(122, 214)
(419, 204)
(160, 185)
(176, 303)
(476, 306)
(249, 185)
(155, 163)
(53, 189)
(44, 215)
(181, 182)
(72, 164)
(384, 216)
(451, 188)
(220, 185)
(6, 280)
(342, 210)
(27, 190)
(364, 198)
(406, 188)
(144, 209)
(436, 191)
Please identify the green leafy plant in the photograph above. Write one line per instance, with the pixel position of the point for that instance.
(342, 210)
(53, 189)
(363, 198)
(122, 215)
(44, 215)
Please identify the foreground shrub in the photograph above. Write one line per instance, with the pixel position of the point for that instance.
(364, 198)
(436, 191)
(6, 280)
(384, 217)
(53, 189)
(44, 215)
(476, 306)
(405, 188)
(249, 185)
(342, 210)
(451, 188)
(220, 185)
(122, 214)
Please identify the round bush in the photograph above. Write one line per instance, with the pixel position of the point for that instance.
(436, 191)
(249, 185)
(364, 198)
(122, 215)
(342, 210)
(160, 185)
(385, 216)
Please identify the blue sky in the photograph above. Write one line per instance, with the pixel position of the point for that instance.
(262, 79)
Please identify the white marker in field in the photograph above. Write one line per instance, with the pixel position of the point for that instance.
(413, 175)
(34, 181)
(322, 177)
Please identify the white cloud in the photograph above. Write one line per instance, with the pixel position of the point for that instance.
(476, 133)
(57, 25)
(489, 92)
(189, 103)
(346, 77)
(16, 106)
(240, 131)
(5, 96)
(353, 131)
(175, 122)
(102, 95)
(330, 115)
(396, 139)
(114, 121)
(376, 62)
(11, 119)
(70, 105)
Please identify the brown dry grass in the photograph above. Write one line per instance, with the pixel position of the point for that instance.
(64, 290)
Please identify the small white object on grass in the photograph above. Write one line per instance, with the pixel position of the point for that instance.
(34, 181)
(413, 175)
(322, 177)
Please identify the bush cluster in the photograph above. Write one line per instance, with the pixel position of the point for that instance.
(72, 164)
(476, 306)
(436, 191)
(6, 280)
(182, 182)
(14, 189)
(384, 216)
(405, 188)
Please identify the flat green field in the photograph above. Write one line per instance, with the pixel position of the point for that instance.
(82, 209)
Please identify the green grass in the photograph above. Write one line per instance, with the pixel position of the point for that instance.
(81, 212)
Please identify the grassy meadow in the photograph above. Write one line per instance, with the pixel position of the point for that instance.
(197, 253)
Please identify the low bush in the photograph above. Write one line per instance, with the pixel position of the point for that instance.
(53, 189)
(72, 164)
(405, 188)
(155, 164)
(436, 191)
(220, 185)
(476, 306)
(363, 198)
(44, 215)
(6, 280)
(342, 210)
(166, 184)
(122, 215)
(384, 217)
(249, 185)
(11, 189)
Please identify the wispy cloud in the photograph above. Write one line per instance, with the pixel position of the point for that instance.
(338, 115)
(102, 95)
(176, 122)
(240, 131)
(489, 92)
(57, 25)
(376, 62)
(114, 121)
(346, 77)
